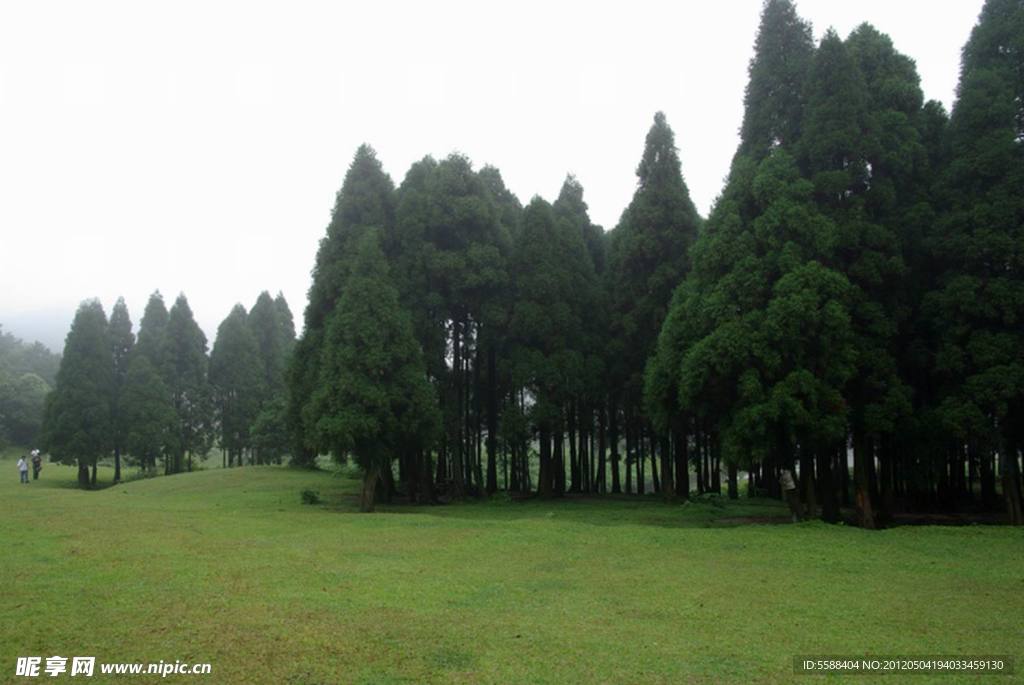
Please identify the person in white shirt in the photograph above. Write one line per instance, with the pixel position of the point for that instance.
(23, 469)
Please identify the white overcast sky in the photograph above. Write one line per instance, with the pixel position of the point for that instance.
(198, 147)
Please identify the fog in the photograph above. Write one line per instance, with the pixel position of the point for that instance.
(197, 147)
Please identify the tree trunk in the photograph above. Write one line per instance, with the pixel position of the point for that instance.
(613, 437)
(988, 478)
(807, 481)
(641, 458)
(545, 476)
(83, 474)
(1011, 485)
(681, 448)
(574, 464)
(458, 473)
(584, 449)
(668, 489)
(734, 488)
(630, 449)
(602, 486)
(698, 444)
(117, 463)
(844, 475)
(492, 422)
(370, 477)
(442, 463)
(655, 477)
(862, 466)
(716, 466)
(559, 463)
(425, 490)
(829, 504)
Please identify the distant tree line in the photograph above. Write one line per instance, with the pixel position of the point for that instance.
(27, 373)
(157, 400)
(856, 290)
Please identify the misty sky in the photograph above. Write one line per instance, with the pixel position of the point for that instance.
(198, 147)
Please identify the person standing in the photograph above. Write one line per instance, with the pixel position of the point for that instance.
(37, 464)
(23, 469)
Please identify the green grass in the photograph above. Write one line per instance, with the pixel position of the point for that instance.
(228, 567)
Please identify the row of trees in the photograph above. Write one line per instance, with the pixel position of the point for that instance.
(859, 282)
(857, 287)
(158, 397)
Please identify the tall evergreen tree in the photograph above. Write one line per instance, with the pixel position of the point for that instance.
(547, 327)
(271, 324)
(648, 259)
(774, 98)
(372, 397)
(365, 199)
(450, 247)
(152, 329)
(78, 421)
(238, 378)
(121, 342)
(184, 370)
(585, 383)
(979, 249)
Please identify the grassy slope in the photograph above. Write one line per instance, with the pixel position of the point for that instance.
(228, 567)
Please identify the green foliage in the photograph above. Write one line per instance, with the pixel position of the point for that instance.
(184, 369)
(366, 199)
(648, 256)
(270, 321)
(978, 304)
(122, 340)
(310, 497)
(238, 377)
(18, 358)
(151, 424)
(774, 98)
(22, 401)
(152, 330)
(269, 432)
(78, 418)
(27, 372)
(372, 395)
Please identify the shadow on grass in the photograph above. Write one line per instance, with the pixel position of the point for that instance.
(608, 510)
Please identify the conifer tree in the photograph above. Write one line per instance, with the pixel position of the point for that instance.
(648, 259)
(78, 422)
(238, 378)
(774, 97)
(372, 397)
(184, 369)
(272, 328)
(121, 342)
(979, 250)
(152, 328)
(366, 198)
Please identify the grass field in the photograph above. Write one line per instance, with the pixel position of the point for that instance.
(229, 567)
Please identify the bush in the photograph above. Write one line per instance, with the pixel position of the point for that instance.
(310, 497)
